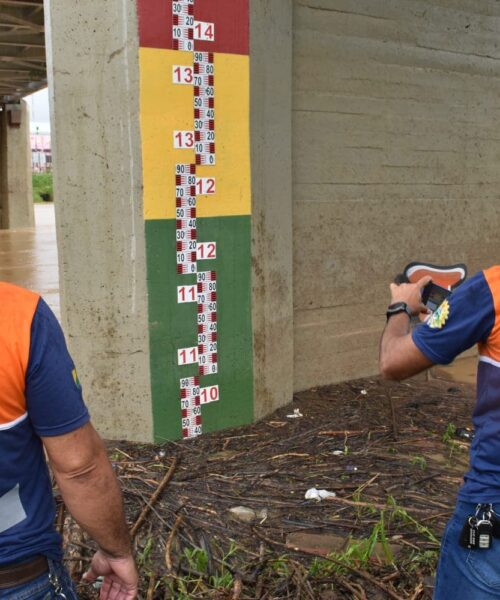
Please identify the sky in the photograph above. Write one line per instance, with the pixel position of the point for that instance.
(39, 111)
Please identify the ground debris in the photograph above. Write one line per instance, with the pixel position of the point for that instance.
(395, 483)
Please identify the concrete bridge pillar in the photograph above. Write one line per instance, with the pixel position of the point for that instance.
(172, 170)
(16, 191)
(93, 71)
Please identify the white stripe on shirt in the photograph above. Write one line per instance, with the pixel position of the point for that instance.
(489, 360)
(13, 423)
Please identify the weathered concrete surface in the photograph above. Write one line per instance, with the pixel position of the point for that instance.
(94, 86)
(16, 189)
(270, 120)
(395, 157)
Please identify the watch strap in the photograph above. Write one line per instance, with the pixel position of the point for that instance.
(396, 308)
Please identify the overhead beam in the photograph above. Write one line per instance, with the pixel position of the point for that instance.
(20, 18)
(29, 54)
(36, 3)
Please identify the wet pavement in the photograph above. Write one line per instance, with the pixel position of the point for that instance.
(28, 257)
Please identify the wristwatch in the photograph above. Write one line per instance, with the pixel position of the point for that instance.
(396, 308)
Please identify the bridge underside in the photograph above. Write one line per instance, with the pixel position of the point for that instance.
(22, 49)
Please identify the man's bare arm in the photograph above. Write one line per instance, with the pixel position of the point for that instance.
(89, 487)
(399, 356)
(91, 492)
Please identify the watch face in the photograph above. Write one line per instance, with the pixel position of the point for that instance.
(396, 308)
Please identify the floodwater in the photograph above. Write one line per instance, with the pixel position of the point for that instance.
(28, 257)
(462, 370)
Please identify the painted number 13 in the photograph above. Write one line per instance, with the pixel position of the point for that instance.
(182, 75)
(183, 139)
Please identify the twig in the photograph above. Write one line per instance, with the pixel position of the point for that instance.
(151, 587)
(365, 485)
(237, 588)
(365, 576)
(420, 511)
(295, 454)
(395, 432)
(352, 432)
(154, 497)
(168, 546)
(60, 518)
(418, 590)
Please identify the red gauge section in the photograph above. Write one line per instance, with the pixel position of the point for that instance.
(221, 26)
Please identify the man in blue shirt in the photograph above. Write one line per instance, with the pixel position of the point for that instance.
(470, 315)
(41, 406)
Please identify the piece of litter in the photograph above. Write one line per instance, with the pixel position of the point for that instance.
(363, 392)
(98, 583)
(262, 515)
(296, 414)
(161, 453)
(315, 494)
(351, 468)
(338, 452)
(243, 513)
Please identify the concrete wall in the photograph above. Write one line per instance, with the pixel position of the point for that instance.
(16, 190)
(93, 74)
(270, 126)
(396, 156)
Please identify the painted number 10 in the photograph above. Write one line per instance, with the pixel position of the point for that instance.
(209, 394)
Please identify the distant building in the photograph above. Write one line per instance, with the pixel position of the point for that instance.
(41, 149)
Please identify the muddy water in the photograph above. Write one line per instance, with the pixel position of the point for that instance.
(462, 370)
(28, 257)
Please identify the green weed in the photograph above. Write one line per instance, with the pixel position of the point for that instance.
(425, 559)
(402, 514)
(420, 461)
(42, 184)
(449, 433)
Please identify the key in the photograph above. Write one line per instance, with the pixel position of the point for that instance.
(484, 533)
(468, 537)
(495, 521)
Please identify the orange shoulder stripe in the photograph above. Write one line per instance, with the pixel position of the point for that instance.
(492, 346)
(17, 308)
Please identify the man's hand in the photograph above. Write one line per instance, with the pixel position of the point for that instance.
(120, 576)
(411, 294)
(92, 495)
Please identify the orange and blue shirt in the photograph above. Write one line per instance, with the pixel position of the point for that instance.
(471, 315)
(39, 396)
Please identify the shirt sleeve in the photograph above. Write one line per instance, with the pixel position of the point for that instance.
(53, 392)
(465, 318)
